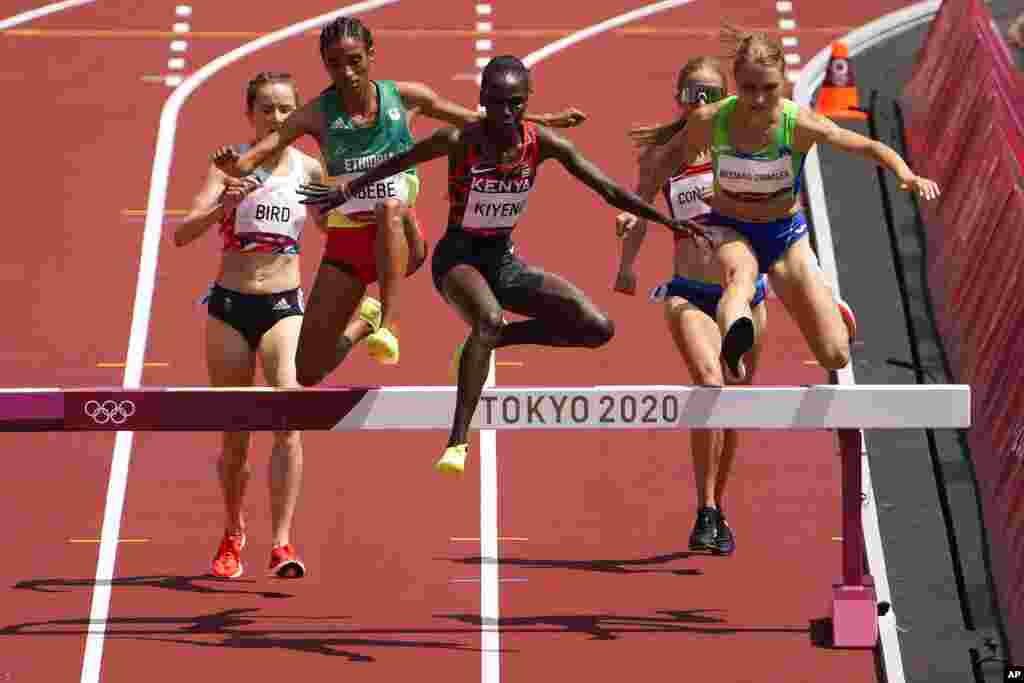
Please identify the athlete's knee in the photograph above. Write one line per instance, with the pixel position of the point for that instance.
(487, 328)
(835, 355)
(308, 376)
(708, 373)
(598, 331)
(234, 450)
(389, 212)
(307, 372)
(740, 274)
(289, 441)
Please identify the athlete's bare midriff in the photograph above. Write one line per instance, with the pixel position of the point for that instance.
(756, 212)
(259, 273)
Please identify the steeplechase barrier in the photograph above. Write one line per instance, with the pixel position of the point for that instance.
(847, 409)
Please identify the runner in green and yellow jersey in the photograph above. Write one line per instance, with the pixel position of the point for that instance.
(758, 141)
(359, 122)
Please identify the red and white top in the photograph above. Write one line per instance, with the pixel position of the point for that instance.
(270, 219)
(488, 198)
(685, 192)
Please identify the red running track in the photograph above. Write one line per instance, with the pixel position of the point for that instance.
(602, 585)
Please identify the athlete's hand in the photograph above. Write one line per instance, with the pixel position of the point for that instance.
(624, 224)
(1015, 33)
(693, 230)
(235, 190)
(644, 136)
(922, 187)
(567, 118)
(226, 159)
(625, 280)
(323, 197)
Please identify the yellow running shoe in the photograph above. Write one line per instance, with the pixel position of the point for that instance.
(370, 312)
(453, 460)
(382, 346)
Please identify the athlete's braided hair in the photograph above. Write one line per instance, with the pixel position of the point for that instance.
(504, 64)
(344, 27)
(264, 78)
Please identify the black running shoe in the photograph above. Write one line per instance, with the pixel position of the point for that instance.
(737, 342)
(705, 530)
(725, 542)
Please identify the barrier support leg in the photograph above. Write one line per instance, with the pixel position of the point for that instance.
(854, 603)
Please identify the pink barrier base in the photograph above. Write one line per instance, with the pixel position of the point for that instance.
(854, 616)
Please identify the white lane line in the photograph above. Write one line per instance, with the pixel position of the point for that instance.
(785, 9)
(812, 75)
(139, 331)
(39, 12)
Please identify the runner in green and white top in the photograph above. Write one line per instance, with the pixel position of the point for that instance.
(758, 141)
(357, 123)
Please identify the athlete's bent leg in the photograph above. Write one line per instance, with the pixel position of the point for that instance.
(560, 313)
(804, 294)
(333, 302)
(392, 257)
(467, 290)
(738, 270)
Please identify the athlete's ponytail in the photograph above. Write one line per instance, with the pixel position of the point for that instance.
(661, 134)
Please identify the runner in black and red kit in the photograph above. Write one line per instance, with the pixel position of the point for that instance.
(492, 166)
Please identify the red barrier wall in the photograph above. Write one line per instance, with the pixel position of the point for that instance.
(965, 130)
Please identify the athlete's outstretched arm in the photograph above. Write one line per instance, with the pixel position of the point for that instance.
(428, 103)
(654, 169)
(812, 128)
(557, 147)
(438, 144)
(294, 127)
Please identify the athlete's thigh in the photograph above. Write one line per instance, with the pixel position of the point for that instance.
(733, 252)
(277, 351)
(696, 335)
(803, 292)
(334, 298)
(537, 293)
(468, 292)
(229, 360)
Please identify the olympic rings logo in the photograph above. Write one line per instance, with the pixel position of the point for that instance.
(112, 412)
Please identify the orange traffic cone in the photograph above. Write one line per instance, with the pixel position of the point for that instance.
(837, 98)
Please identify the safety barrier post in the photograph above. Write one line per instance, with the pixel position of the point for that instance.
(854, 603)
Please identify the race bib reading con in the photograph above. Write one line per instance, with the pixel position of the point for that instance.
(687, 193)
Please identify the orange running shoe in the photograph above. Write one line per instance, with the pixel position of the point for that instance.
(285, 564)
(227, 563)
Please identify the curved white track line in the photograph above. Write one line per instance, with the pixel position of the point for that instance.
(139, 333)
(811, 76)
(40, 12)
